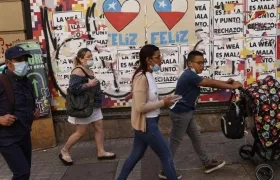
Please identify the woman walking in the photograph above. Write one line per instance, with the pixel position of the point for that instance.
(145, 114)
(79, 83)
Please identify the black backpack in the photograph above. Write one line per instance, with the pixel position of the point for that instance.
(233, 123)
(8, 87)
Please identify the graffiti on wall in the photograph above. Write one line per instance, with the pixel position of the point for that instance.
(114, 31)
(36, 74)
(238, 39)
(7, 41)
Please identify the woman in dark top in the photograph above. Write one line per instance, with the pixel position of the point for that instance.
(79, 83)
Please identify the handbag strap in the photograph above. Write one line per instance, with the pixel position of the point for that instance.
(82, 70)
(233, 94)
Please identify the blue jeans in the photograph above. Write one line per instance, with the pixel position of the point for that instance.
(153, 138)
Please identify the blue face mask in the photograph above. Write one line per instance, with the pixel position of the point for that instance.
(90, 63)
(155, 68)
(21, 68)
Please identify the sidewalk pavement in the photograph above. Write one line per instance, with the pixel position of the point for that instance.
(46, 165)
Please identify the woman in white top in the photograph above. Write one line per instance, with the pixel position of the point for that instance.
(145, 113)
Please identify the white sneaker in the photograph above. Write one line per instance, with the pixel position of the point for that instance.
(214, 166)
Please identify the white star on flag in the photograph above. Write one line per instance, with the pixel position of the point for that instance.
(162, 4)
(112, 5)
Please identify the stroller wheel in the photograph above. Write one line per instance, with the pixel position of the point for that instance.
(264, 172)
(245, 151)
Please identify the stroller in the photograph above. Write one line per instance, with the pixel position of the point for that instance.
(261, 101)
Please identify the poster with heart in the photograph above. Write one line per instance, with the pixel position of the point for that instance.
(234, 36)
(173, 22)
(160, 22)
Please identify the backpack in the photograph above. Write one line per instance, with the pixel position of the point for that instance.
(233, 123)
(8, 87)
(7, 83)
(80, 105)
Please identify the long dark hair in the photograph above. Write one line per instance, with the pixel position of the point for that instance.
(146, 51)
(81, 54)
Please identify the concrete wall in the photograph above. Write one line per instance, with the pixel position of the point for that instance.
(121, 128)
(117, 122)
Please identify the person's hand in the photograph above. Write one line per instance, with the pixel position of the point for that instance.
(92, 82)
(170, 96)
(168, 101)
(128, 97)
(230, 81)
(36, 113)
(175, 96)
(7, 120)
(237, 84)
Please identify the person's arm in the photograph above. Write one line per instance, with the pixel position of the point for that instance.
(229, 84)
(173, 96)
(217, 84)
(140, 90)
(205, 82)
(77, 82)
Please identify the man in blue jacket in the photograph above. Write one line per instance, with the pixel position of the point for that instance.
(16, 122)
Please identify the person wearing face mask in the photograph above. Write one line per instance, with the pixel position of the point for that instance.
(182, 114)
(145, 111)
(16, 120)
(77, 84)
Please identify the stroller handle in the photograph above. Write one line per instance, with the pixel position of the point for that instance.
(241, 89)
(233, 94)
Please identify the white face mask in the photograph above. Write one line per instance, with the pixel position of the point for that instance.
(21, 68)
(193, 70)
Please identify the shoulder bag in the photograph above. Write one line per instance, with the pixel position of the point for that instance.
(80, 105)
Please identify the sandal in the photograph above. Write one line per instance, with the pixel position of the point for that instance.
(66, 160)
(107, 156)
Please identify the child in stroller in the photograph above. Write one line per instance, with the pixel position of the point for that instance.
(261, 101)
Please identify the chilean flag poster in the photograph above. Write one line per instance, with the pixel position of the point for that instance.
(171, 12)
(152, 21)
(121, 15)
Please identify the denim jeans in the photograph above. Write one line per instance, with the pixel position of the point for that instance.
(153, 138)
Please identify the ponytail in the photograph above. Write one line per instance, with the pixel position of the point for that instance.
(76, 61)
(81, 54)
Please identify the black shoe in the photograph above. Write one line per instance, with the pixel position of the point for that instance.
(161, 175)
(214, 166)
(67, 163)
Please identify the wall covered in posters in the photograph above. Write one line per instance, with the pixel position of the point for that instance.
(238, 38)
(37, 75)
